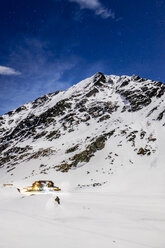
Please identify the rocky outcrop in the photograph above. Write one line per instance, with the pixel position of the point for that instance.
(85, 155)
(75, 124)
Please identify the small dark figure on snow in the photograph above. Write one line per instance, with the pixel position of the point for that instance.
(57, 200)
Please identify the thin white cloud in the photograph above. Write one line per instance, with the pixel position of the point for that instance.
(96, 6)
(8, 71)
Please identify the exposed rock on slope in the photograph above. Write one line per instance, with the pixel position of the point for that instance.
(118, 121)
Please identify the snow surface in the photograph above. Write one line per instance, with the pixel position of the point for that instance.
(83, 219)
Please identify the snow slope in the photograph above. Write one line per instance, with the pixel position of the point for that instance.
(83, 219)
(102, 143)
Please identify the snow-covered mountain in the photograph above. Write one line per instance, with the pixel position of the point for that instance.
(102, 143)
(102, 130)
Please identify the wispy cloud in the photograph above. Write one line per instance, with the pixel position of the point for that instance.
(40, 66)
(42, 73)
(96, 6)
(8, 71)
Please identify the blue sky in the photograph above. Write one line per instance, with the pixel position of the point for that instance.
(49, 45)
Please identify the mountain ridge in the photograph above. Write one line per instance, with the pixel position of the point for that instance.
(101, 118)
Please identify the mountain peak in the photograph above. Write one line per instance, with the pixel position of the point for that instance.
(67, 130)
(99, 79)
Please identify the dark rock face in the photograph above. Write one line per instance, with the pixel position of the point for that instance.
(104, 117)
(136, 99)
(142, 134)
(3, 147)
(81, 104)
(152, 110)
(136, 78)
(49, 118)
(92, 92)
(125, 83)
(144, 151)
(10, 113)
(141, 97)
(161, 91)
(102, 108)
(40, 135)
(15, 154)
(99, 79)
(27, 127)
(160, 116)
(42, 153)
(85, 155)
(53, 135)
(43, 99)
(20, 109)
(72, 149)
